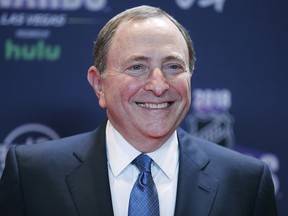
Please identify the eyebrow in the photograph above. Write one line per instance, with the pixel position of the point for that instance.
(137, 58)
(174, 58)
(147, 59)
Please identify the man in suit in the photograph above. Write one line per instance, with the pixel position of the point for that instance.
(143, 63)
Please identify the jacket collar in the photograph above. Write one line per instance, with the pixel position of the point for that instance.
(89, 182)
(196, 189)
(195, 193)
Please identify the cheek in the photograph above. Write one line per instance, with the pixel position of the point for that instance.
(119, 89)
(132, 87)
(183, 87)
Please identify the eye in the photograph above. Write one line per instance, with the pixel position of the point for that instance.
(173, 69)
(137, 70)
(136, 67)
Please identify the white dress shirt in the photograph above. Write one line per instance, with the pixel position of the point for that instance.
(122, 174)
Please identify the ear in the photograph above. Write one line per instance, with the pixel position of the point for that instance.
(96, 81)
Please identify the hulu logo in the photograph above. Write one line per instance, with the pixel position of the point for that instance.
(29, 52)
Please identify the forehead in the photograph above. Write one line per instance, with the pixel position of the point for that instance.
(158, 25)
(148, 34)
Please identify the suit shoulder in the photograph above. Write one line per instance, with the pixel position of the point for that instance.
(54, 144)
(61, 154)
(60, 148)
(218, 154)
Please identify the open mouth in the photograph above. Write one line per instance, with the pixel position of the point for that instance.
(154, 106)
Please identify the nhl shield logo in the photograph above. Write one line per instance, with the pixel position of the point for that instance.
(210, 118)
(214, 127)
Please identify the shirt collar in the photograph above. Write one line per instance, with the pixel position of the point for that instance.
(120, 153)
(166, 157)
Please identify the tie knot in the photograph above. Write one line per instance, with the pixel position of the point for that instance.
(143, 163)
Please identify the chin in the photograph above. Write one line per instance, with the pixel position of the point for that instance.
(156, 133)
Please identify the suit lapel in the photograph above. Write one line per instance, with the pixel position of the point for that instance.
(196, 189)
(90, 189)
(89, 182)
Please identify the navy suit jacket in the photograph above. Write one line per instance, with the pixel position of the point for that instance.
(69, 177)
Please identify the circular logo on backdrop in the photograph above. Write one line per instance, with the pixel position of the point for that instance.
(26, 134)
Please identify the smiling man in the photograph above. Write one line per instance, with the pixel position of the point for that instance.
(146, 83)
(139, 162)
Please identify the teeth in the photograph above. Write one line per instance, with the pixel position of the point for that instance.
(153, 106)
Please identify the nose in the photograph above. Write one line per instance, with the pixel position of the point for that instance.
(156, 82)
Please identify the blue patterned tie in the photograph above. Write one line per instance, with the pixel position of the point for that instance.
(143, 197)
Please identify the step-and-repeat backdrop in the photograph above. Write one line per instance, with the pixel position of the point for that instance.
(240, 84)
